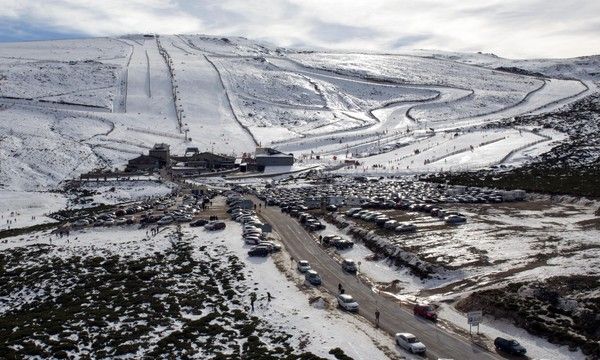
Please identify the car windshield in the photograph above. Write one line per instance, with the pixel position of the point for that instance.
(411, 340)
(514, 343)
(348, 299)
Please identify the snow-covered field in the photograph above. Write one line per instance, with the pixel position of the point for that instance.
(22, 209)
(71, 106)
(319, 328)
(233, 93)
(288, 321)
(115, 192)
(500, 244)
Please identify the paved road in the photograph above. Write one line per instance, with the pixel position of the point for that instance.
(300, 245)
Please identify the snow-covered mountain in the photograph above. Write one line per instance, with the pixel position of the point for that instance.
(70, 106)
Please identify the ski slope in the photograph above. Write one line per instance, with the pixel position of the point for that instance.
(96, 103)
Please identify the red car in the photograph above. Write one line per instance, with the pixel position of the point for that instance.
(426, 311)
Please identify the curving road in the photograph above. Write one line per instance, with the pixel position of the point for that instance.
(300, 245)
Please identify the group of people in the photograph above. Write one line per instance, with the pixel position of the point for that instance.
(253, 298)
(153, 231)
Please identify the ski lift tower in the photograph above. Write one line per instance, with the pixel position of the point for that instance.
(186, 130)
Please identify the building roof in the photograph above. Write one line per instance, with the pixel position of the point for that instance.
(267, 151)
(143, 160)
(205, 156)
(161, 146)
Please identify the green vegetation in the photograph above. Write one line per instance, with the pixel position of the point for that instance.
(562, 309)
(169, 304)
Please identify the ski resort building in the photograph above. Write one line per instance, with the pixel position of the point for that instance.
(206, 160)
(266, 157)
(158, 157)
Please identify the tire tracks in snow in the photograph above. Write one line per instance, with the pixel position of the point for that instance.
(148, 89)
(222, 83)
(246, 129)
(125, 77)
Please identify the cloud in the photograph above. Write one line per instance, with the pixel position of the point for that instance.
(512, 28)
(104, 17)
(332, 32)
(409, 41)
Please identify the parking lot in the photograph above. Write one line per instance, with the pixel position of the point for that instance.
(459, 238)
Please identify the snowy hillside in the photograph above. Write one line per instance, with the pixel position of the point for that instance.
(67, 107)
(123, 267)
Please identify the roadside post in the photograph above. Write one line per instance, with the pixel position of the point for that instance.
(474, 319)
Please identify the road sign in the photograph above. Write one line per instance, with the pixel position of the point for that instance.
(474, 317)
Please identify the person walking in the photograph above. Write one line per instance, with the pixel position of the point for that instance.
(340, 287)
(269, 297)
(252, 300)
(377, 317)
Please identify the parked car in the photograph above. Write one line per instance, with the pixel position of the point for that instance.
(381, 220)
(215, 225)
(312, 277)
(409, 342)
(455, 219)
(199, 222)
(303, 266)
(331, 208)
(426, 311)
(81, 223)
(259, 251)
(165, 220)
(390, 224)
(252, 240)
(273, 247)
(509, 346)
(183, 218)
(352, 211)
(347, 302)
(406, 227)
(349, 265)
(342, 244)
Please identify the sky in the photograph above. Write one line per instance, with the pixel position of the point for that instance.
(508, 28)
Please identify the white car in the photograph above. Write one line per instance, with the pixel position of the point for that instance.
(390, 224)
(347, 302)
(303, 266)
(409, 342)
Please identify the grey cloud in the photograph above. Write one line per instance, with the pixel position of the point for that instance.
(409, 40)
(333, 32)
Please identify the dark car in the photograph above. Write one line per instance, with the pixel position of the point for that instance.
(313, 277)
(509, 346)
(259, 251)
(426, 311)
(343, 244)
(199, 222)
(331, 208)
(215, 225)
(348, 265)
